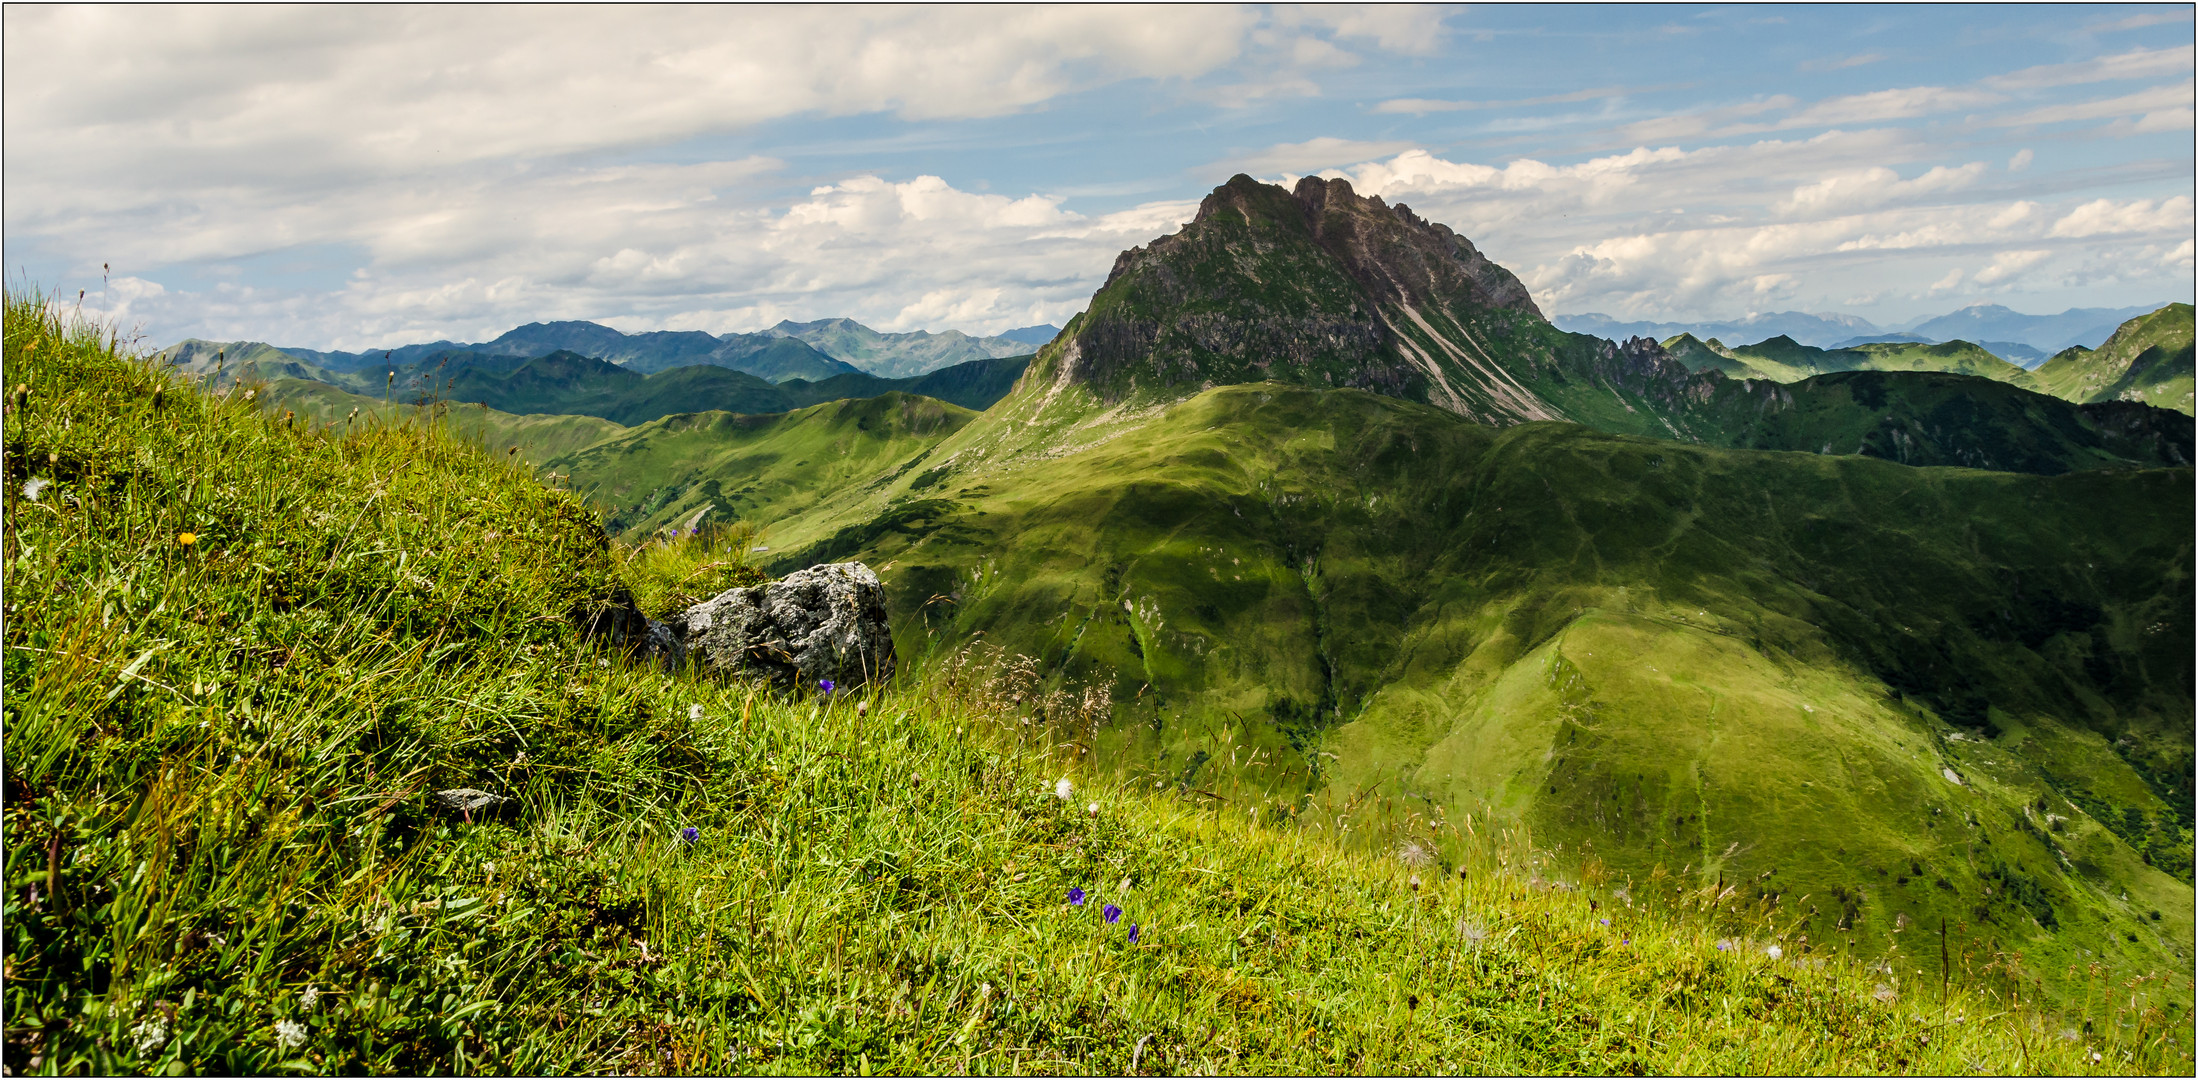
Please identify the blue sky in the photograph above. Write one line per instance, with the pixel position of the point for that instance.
(358, 177)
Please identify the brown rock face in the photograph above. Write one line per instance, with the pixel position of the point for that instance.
(1399, 256)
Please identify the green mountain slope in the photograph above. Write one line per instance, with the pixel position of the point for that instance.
(570, 383)
(760, 469)
(1782, 359)
(1738, 666)
(1711, 355)
(246, 655)
(2147, 359)
(1931, 418)
(539, 437)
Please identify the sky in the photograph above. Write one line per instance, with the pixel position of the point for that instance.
(362, 177)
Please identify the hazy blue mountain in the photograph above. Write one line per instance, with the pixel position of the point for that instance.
(900, 355)
(1041, 334)
(2088, 327)
(361, 361)
(1820, 330)
(1873, 339)
(2008, 334)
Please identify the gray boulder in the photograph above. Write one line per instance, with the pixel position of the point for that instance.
(824, 623)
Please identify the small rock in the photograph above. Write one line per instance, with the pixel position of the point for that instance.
(469, 801)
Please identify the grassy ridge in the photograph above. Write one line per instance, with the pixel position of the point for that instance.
(1336, 596)
(222, 856)
(2148, 359)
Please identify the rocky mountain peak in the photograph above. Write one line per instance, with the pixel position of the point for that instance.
(1316, 285)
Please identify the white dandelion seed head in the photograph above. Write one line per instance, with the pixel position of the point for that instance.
(694, 712)
(1414, 853)
(33, 486)
(1062, 789)
(1093, 809)
(1774, 952)
(289, 1034)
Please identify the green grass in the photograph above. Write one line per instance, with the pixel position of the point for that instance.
(218, 826)
(538, 436)
(2147, 359)
(1362, 596)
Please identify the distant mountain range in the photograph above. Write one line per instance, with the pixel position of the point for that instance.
(896, 356)
(2025, 340)
(565, 382)
(814, 351)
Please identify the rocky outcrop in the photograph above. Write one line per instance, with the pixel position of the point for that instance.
(826, 623)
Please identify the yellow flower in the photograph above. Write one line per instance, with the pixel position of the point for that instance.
(186, 539)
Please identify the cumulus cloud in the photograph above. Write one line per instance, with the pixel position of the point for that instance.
(2134, 216)
(1723, 229)
(392, 89)
(653, 254)
(2008, 264)
(1877, 186)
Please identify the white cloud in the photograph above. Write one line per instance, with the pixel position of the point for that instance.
(651, 254)
(396, 88)
(1877, 186)
(2170, 100)
(1843, 63)
(1411, 29)
(1423, 106)
(2021, 160)
(1721, 229)
(1881, 105)
(2101, 216)
(1308, 156)
(2009, 264)
(2134, 64)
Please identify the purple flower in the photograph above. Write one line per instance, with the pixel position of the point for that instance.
(824, 685)
(1605, 922)
(689, 835)
(1133, 933)
(1076, 895)
(1113, 914)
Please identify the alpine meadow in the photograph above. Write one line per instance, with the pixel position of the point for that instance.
(1307, 658)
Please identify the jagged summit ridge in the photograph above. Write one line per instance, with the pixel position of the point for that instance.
(1323, 287)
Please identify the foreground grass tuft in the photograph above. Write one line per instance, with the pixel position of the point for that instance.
(243, 653)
